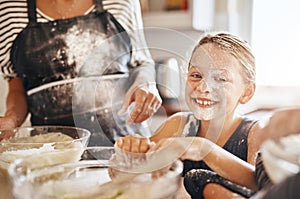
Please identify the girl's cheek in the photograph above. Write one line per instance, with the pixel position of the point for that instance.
(190, 85)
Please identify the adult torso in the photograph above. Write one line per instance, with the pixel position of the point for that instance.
(62, 64)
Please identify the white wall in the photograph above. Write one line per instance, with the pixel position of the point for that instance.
(276, 41)
(228, 15)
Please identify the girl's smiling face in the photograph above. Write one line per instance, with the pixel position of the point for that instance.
(214, 83)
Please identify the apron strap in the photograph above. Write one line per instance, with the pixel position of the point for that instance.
(99, 5)
(31, 6)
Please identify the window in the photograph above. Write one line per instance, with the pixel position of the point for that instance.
(276, 41)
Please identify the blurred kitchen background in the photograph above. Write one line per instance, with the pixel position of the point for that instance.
(172, 28)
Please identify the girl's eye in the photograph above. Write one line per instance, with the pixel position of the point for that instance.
(221, 79)
(196, 76)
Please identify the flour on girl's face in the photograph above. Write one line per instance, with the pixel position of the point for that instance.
(214, 83)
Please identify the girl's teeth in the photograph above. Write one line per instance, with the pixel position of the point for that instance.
(202, 102)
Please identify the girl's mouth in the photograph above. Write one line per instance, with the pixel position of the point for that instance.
(205, 102)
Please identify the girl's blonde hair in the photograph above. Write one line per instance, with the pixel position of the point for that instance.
(235, 46)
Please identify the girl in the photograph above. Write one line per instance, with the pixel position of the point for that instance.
(213, 136)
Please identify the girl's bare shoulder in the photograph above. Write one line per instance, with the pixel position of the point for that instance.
(172, 127)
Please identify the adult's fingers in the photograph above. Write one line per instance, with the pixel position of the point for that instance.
(149, 107)
(140, 97)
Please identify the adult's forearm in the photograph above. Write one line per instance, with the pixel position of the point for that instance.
(284, 122)
(16, 103)
(16, 111)
(143, 74)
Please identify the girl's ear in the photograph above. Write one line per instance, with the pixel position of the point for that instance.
(248, 93)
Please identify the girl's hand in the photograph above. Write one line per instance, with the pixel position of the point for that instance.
(191, 148)
(130, 152)
(134, 144)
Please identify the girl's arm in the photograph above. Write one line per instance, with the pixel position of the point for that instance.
(230, 166)
(219, 160)
(172, 127)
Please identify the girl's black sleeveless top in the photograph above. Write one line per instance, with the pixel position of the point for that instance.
(237, 144)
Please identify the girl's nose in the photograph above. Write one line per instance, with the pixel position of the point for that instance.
(203, 86)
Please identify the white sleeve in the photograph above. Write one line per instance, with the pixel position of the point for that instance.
(13, 19)
(128, 14)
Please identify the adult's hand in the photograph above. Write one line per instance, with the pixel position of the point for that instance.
(147, 102)
(7, 123)
(6, 127)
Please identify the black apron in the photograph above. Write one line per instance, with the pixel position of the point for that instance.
(75, 72)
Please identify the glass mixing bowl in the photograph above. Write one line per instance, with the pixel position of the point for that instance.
(46, 143)
(42, 146)
(90, 179)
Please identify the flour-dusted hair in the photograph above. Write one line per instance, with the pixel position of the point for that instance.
(236, 47)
